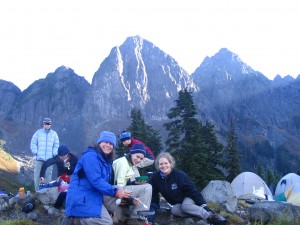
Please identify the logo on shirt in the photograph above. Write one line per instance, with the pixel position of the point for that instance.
(173, 186)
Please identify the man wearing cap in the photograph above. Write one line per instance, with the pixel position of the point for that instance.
(125, 177)
(128, 141)
(91, 182)
(44, 145)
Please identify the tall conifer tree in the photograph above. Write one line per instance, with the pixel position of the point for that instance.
(187, 143)
(233, 163)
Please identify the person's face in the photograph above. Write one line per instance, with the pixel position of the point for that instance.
(137, 158)
(164, 166)
(64, 157)
(106, 147)
(126, 142)
(47, 126)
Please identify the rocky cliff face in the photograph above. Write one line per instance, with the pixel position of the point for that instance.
(138, 74)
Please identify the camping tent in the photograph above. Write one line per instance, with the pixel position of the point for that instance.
(289, 186)
(286, 182)
(249, 185)
(293, 196)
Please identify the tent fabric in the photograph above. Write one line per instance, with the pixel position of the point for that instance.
(293, 197)
(289, 196)
(248, 185)
(286, 182)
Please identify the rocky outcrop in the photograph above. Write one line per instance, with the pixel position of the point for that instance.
(216, 193)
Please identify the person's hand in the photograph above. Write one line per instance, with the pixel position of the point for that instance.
(140, 182)
(123, 194)
(136, 201)
(42, 180)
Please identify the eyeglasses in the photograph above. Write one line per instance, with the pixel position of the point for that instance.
(47, 123)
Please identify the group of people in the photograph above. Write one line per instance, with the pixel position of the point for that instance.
(100, 184)
(47, 152)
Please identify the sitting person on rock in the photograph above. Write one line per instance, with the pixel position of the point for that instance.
(91, 197)
(124, 177)
(178, 190)
(65, 162)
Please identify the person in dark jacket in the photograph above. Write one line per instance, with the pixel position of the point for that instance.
(91, 183)
(65, 162)
(179, 191)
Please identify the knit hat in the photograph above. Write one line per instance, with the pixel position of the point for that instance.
(106, 136)
(138, 148)
(124, 136)
(63, 150)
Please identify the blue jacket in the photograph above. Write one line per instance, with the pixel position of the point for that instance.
(89, 182)
(174, 188)
(44, 144)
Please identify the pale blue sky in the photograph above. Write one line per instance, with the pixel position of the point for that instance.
(39, 36)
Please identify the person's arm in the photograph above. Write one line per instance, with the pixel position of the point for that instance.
(155, 188)
(120, 170)
(33, 144)
(154, 206)
(93, 170)
(73, 162)
(46, 164)
(55, 144)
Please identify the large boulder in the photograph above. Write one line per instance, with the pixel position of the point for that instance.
(47, 196)
(268, 211)
(221, 193)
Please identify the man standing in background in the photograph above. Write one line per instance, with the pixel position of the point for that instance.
(44, 145)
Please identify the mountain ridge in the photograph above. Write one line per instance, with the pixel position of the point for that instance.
(138, 74)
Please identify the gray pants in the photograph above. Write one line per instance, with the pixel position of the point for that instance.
(105, 219)
(188, 208)
(144, 193)
(37, 165)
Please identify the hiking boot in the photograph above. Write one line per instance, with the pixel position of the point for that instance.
(135, 222)
(216, 219)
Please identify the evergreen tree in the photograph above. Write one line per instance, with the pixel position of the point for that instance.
(233, 163)
(144, 132)
(189, 143)
(215, 150)
(260, 171)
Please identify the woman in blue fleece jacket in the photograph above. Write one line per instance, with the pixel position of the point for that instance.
(90, 182)
(179, 191)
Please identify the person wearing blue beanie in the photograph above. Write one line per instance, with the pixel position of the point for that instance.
(138, 148)
(106, 136)
(127, 140)
(91, 194)
(125, 177)
(63, 150)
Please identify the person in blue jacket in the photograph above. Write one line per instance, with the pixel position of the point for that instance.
(91, 181)
(179, 191)
(44, 145)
